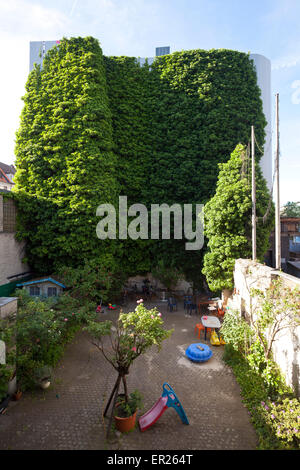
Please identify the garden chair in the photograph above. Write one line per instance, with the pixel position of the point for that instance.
(191, 307)
(172, 304)
(187, 300)
(199, 327)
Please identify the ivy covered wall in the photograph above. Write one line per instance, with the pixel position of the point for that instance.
(96, 127)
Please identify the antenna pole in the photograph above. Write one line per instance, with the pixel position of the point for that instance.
(253, 196)
(277, 203)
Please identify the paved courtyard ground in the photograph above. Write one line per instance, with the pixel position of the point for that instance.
(68, 415)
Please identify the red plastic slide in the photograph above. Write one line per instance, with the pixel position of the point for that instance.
(153, 414)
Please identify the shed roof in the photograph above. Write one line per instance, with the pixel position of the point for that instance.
(38, 281)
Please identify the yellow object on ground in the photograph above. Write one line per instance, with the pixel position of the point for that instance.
(214, 340)
(222, 340)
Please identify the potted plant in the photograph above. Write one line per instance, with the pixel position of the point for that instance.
(132, 335)
(125, 411)
(42, 376)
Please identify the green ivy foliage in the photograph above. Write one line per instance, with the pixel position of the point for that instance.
(228, 223)
(95, 127)
(203, 105)
(129, 96)
(65, 163)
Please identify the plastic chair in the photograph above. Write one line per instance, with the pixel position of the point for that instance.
(187, 299)
(190, 307)
(200, 328)
(172, 304)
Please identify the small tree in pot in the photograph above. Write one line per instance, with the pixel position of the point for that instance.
(133, 334)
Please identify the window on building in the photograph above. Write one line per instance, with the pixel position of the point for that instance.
(9, 216)
(162, 51)
(34, 290)
(52, 291)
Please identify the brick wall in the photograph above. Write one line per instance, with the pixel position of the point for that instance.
(11, 251)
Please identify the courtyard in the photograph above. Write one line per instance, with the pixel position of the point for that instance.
(68, 415)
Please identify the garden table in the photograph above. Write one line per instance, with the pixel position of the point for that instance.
(206, 302)
(210, 322)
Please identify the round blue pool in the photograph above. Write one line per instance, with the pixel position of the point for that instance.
(198, 352)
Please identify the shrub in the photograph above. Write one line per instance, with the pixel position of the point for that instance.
(125, 409)
(43, 329)
(267, 369)
(5, 374)
(8, 336)
(284, 419)
(236, 331)
(91, 282)
(266, 411)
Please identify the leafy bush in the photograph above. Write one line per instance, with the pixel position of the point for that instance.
(8, 336)
(236, 331)
(266, 368)
(266, 410)
(5, 375)
(43, 329)
(91, 282)
(125, 409)
(283, 417)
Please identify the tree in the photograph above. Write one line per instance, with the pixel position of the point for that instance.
(134, 333)
(228, 220)
(291, 209)
(277, 309)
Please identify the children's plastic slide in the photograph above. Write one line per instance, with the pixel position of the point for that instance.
(168, 399)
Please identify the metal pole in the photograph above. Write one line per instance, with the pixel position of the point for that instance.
(253, 196)
(277, 203)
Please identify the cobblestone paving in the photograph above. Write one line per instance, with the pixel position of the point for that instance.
(68, 415)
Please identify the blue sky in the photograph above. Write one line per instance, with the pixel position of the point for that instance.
(136, 27)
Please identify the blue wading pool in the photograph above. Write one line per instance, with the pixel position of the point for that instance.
(198, 352)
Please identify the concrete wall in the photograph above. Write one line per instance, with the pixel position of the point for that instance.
(181, 288)
(286, 349)
(11, 252)
(8, 306)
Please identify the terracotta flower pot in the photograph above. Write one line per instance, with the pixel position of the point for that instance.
(17, 395)
(125, 424)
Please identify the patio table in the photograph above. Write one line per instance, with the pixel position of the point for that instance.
(203, 303)
(210, 322)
